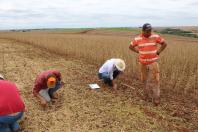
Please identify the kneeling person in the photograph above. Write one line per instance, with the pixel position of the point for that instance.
(46, 85)
(110, 70)
(12, 106)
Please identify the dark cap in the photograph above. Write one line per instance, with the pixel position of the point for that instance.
(146, 26)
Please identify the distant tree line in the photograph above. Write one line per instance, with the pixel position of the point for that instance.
(179, 32)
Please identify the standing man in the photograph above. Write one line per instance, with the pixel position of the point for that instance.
(46, 85)
(109, 71)
(145, 45)
(11, 106)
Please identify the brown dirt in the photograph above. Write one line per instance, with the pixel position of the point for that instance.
(81, 109)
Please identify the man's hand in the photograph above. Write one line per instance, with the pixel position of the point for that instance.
(115, 86)
(62, 83)
(55, 95)
(43, 102)
(163, 46)
(133, 48)
(158, 53)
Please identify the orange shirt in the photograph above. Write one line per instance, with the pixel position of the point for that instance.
(147, 47)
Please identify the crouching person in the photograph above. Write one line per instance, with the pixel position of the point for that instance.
(11, 106)
(46, 85)
(110, 71)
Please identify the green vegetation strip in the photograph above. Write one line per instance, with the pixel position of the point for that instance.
(178, 32)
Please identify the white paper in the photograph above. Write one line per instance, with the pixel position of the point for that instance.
(94, 86)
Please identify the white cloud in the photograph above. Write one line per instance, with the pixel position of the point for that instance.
(96, 13)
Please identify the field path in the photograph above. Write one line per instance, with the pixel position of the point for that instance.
(78, 108)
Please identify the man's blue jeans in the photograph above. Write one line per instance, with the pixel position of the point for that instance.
(9, 123)
(106, 77)
(52, 90)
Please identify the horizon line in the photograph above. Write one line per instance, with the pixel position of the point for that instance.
(51, 28)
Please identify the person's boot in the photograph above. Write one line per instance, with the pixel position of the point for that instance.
(14, 127)
(156, 101)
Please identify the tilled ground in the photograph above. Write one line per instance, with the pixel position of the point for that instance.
(79, 108)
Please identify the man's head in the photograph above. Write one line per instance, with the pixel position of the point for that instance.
(146, 30)
(51, 81)
(1, 77)
(120, 64)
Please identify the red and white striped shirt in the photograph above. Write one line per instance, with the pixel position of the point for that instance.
(147, 47)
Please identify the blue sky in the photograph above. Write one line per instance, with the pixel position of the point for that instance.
(16, 14)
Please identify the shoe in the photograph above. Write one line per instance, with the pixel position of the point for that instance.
(14, 127)
(156, 101)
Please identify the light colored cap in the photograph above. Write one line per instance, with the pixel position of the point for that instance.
(120, 64)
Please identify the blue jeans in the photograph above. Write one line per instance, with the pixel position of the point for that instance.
(52, 90)
(106, 77)
(9, 123)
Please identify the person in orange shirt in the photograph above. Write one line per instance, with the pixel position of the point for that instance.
(145, 45)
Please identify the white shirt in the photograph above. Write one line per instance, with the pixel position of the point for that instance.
(108, 67)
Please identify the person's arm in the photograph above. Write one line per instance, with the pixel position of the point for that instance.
(114, 85)
(59, 77)
(133, 48)
(36, 94)
(42, 100)
(163, 46)
(110, 71)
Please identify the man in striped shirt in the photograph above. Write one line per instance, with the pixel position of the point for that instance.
(145, 45)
